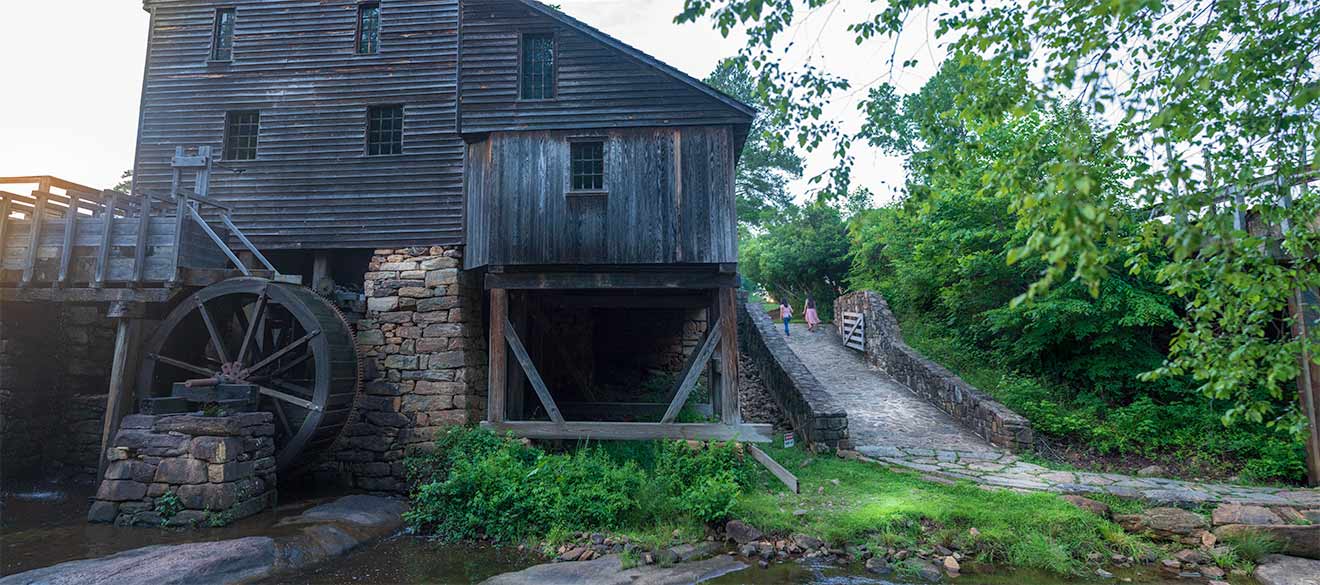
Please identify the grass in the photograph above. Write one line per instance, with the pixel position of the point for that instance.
(852, 502)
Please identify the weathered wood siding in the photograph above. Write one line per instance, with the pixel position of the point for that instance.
(312, 184)
(599, 86)
(669, 199)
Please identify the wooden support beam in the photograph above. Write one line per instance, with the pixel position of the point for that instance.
(774, 468)
(4, 221)
(322, 283)
(692, 371)
(730, 410)
(1305, 309)
(107, 227)
(624, 431)
(34, 241)
(70, 237)
(122, 369)
(498, 358)
(670, 280)
(533, 376)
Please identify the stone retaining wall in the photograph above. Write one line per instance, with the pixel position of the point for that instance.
(810, 408)
(424, 335)
(54, 371)
(885, 349)
(216, 469)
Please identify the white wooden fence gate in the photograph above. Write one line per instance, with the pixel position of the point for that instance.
(854, 331)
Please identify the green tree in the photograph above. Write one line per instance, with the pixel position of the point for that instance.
(1210, 98)
(125, 182)
(766, 167)
(803, 253)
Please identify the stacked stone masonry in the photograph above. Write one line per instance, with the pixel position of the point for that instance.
(809, 407)
(188, 470)
(885, 349)
(53, 354)
(424, 336)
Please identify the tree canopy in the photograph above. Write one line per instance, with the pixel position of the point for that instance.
(1215, 104)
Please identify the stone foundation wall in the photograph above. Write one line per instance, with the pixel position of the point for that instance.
(809, 407)
(425, 338)
(54, 369)
(885, 349)
(188, 470)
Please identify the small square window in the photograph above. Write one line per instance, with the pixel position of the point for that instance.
(222, 37)
(368, 37)
(384, 130)
(588, 162)
(538, 67)
(241, 130)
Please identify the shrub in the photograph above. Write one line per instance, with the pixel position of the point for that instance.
(474, 484)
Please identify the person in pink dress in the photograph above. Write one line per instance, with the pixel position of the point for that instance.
(813, 318)
(785, 313)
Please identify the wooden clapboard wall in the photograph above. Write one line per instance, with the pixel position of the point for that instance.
(668, 199)
(295, 61)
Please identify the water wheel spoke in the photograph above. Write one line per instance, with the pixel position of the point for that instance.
(289, 398)
(211, 329)
(286, 367)
(182, 365)
(250, 332)
(296, 389)
(272, 358)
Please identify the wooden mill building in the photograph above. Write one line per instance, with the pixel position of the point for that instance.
(522, 221)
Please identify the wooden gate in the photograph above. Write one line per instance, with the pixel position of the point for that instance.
(854, 331)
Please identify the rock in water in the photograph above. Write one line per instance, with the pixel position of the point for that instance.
(741, 532)
(878, 566)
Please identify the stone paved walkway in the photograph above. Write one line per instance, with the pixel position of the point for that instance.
(888, 424)
(881, 411)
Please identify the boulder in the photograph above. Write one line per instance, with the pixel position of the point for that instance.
(1298, 541)
(879, 566)
(103, 512)
(807, 543)
(1152, 471)
(1243, 514)
(1165, 523)
(179, 471)
(1283, 570)
(741, 532)
(1098, 508)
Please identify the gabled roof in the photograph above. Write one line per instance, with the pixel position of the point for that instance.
(638, 55)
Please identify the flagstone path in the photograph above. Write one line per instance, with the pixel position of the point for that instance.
(890, 424)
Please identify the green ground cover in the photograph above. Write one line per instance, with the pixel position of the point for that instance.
(476, 485)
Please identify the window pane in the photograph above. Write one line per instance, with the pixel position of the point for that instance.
(368, 41)
(588, 166)
(222, 40)
(241, 129)
(538, 67)
(384, 130)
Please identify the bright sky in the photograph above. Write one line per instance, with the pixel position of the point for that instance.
(71, 74)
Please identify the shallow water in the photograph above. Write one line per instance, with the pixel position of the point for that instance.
(811, 572)
(44, 524)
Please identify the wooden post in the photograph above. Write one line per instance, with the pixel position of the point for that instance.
(730, 414)
(499, 356)
(322, 283)
(70, 238)
(1305, 309)
(128, 328)
(107, 225)
(34, 241)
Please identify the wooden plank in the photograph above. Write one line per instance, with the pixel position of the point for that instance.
(499, 357)
(775, 468)
(107, 229)
(4, 222)
(87, 295)
(533, 376)
(215, 238)
(624, 431)
(731, 410)
(34, 239)
(66, 254)
(122, 369)
(692, 371)
(140, 252)
(610, 280)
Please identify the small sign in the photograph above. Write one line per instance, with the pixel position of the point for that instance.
(789, 442)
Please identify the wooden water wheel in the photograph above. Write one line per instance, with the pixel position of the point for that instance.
(291, 344)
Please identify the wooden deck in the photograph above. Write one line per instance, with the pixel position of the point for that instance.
(65, 242)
